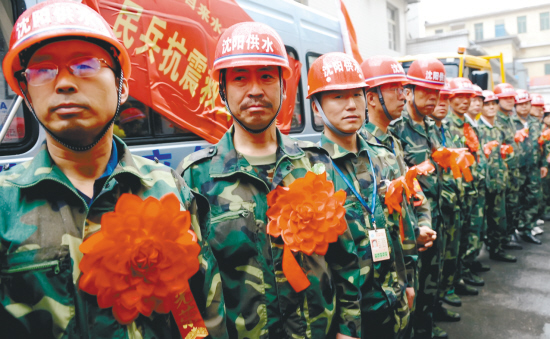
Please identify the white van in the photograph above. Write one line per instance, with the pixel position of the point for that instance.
(307, 34)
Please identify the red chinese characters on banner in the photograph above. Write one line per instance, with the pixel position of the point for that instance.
(171, 46)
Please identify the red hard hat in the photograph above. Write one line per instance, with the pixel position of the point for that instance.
(131, 114)
(461, 86)
(58, 19)
(537, 100)
(334, 72)
(478, 91)
(427, 72)
(522, 96)
(250, 44)
(489, 96)
(504, 90)
(381, 69)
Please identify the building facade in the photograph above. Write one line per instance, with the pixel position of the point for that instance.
(522, 35)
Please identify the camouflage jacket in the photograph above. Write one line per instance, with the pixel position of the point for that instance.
(497, 170)
(504, 122)
(452, 192)
(374, 135)
(526, 156)
(382, 283)
(535, 130)
(260, 303)
(43, 220)
(419, 142)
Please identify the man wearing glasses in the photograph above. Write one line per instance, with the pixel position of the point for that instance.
(72, 72)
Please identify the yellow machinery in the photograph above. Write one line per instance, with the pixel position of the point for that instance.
(476, 68)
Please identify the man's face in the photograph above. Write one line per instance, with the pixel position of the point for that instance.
(425, 99)
(440, 111)
(75, 108)
(490, 109)
(254, 94)
(523, 109)
(394, 98)
(537, 111)
(507, 103)
(344, 109)
(475, 106)
(460, 103)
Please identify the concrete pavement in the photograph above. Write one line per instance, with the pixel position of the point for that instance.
(515, 301)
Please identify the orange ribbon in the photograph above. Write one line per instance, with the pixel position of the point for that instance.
(141, 260)
(506, 149)
(405, 184)
(471, 138)
(457, 159)
(488, 147)
(521, 135)
(545, 136)
(308, 215)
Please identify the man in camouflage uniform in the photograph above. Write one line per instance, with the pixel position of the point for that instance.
(505, 94)
(497, 175)
(530, 164)
(417, 135)
(385, 101)
(545, 208)
(236, 174)
(535, 116)
(362, 169)
(464, 135)
(450, 201)
(74, 86)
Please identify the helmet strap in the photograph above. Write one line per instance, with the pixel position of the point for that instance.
(223, 96)
(327, 122)
(383, 103)
(100, 136)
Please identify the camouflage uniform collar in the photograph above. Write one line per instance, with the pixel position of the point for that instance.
(377, 132)
(455, 119)
(505, 116)
(336, 151)
(226, 159)
(422, 130)
(42, 167)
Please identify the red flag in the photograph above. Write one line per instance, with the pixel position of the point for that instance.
(348, 33)
(171, 45)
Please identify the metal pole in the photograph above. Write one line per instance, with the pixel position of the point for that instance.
(11, 115)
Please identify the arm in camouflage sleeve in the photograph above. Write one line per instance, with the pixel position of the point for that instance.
(423, 212)
(344, 264)
(206, 285)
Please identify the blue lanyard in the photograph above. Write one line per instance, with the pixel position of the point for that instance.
(443, 136)
(359, 197)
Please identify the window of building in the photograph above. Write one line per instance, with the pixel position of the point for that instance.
(456, 27)
(438, 31)
(544, 21)
(522, 24)
(478, 28)
(500, 30)
(546, 69)
(393, 41)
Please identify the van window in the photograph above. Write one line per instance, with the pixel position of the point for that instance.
(297, 124)
(317, 120)
(23, 129)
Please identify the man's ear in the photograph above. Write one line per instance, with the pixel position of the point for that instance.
(372, 99)
(284, 89)
(125, 93)
(314, 106)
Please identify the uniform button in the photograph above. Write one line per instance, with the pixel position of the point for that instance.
(211, 150)
(288, 168)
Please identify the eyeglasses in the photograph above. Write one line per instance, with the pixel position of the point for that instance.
(85, 67)
(398, 90)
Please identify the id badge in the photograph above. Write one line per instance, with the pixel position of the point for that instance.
(379, 245)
